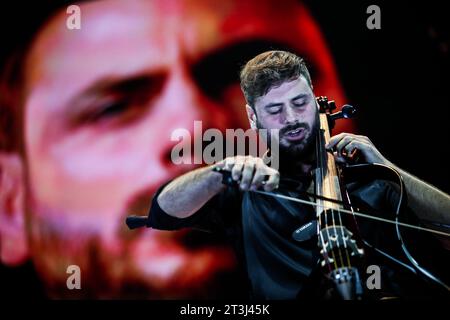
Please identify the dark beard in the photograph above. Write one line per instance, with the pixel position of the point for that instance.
(301, 151)
(298, 149)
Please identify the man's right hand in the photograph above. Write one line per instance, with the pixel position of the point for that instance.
(251, 172)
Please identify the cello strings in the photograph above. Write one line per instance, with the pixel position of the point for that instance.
(323, 156)
(323, 213)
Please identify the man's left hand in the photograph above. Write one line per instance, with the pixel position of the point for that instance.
(347, 147)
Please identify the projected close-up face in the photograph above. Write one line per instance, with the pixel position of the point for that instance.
(99, 107)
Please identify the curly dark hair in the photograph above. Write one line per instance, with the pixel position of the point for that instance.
(270, 69)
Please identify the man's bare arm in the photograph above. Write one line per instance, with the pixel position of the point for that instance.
(427, 201)
(188, 193)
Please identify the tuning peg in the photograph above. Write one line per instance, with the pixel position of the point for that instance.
(346, 112)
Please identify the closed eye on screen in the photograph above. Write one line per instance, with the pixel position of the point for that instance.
(119, 100)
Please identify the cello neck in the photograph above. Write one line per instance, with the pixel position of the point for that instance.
(326, 174)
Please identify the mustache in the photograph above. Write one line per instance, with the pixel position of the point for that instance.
(294, 126)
